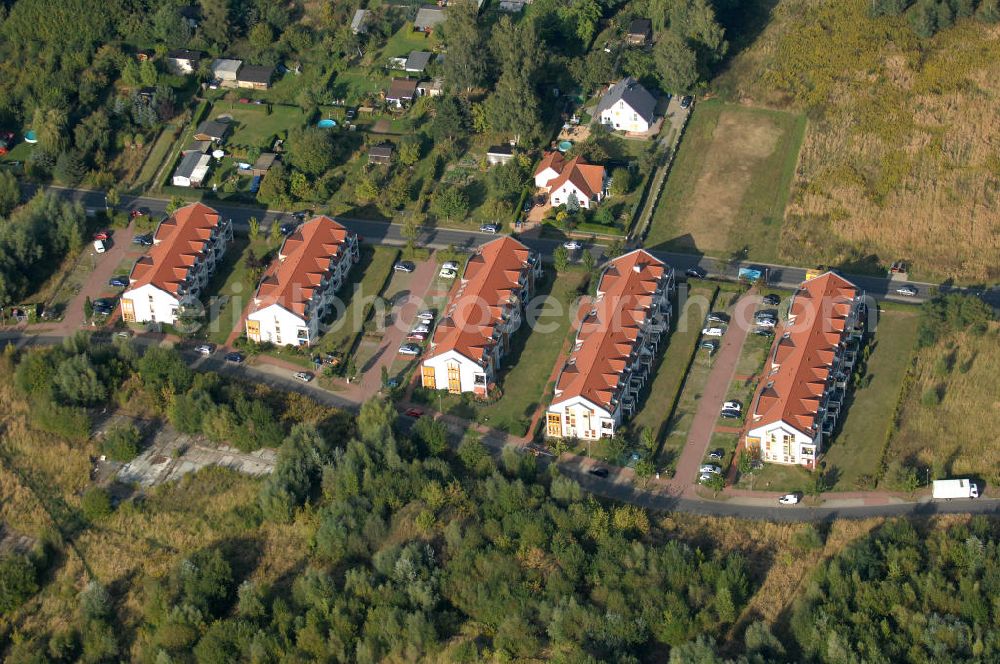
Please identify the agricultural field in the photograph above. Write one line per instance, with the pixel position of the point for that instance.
(944, 422)
(901, 139)
(728, 186)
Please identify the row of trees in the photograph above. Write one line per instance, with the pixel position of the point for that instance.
(928, 17)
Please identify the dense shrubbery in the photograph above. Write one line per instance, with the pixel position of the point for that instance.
(951, 313)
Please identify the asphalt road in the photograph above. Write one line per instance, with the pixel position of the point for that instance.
(628, 493)
(380, 232)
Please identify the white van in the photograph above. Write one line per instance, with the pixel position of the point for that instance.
(99, 246)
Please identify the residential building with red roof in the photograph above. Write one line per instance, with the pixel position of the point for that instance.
(619, 332)
(298, 289)
(564, 180)
(799, 399)
(485, 309)
(187, 246)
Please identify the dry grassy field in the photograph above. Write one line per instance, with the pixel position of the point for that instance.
(729, 185)
(899, 159)
(954, 437)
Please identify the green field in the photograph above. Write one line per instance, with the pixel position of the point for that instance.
(729, 183)
(255, 126)
(228, 292)
(406, 40)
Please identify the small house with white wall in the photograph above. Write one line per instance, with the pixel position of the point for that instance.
(187, 246)
(565, 180)
(299, 288)
(627, 106)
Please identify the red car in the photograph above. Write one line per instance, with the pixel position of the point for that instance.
(416, 336)
(244, 101)
(415, 413)
(6, 141)
(102, 235)
(135, 214)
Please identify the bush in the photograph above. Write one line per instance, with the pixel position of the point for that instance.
(18, 582)
(121, 443)
(69, 422)
(96, 503)
(931, 396)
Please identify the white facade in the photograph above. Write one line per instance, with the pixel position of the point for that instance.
(150, 304)
(781, 443)
(281, 327)
(457, 373)
(561, 195)
(580, 418)
(543, 178)
(623, 117)
(197, 175)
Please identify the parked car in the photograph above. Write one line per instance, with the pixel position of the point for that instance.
(695, 272)
(301, 215)
(415, 413)
(143, 240)
(409, 349)
(907, 290)
(598, 472)
(686, 101)
(732, 405)
(102, 308)
(717, 317)
(304, 376)
(102, 235)
(713, 331)
(287, 228)
(404, 266)
(100, 246)
(766, 322)
(205, 349)
(426, 315)
(234, 357)
(705, 478)
(118, 281)
(709, 345)
(717, 454)
(572, 245)
(727, 414)
(789, 499)
(124, 334)
(416, 336)
(450, 265)
(445, 273)
(771, 300)
(763, 331)
(493, 229)
(350, 114)
(710, 468)
(422, 327)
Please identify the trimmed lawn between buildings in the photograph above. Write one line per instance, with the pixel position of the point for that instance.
(524, 377)
(228, 291)
(857, 448)
(730, 182)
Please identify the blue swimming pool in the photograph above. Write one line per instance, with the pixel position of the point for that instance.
(326, 123)
(565, 145)
(30, 136)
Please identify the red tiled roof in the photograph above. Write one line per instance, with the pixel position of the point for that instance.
(302, 263)
(554, 160)
(609, 329)
(804, 353)
(587, 178)
(179, 242)
(491, 278)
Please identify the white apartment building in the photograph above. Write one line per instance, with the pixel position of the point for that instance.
(298, 289)
(618, 336)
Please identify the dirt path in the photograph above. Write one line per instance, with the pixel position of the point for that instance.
(714, 394)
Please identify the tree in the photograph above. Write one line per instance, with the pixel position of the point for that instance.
(254, 229)
(311, 150)
(584, 16)
(148, 74)
(410, 230)
(512, 109)
(88, 309)
(465, 66)
(561, 258)
(450, 203)
(121, 443)
(621, 181)
(589, 261)
(77, 381)
(10, 192)
(676, 63)
(69, 169)
(409, 153)
(18, 581)
(215, 20)
(572, 202)
(451, 120)
(274, 186)
(96, 503)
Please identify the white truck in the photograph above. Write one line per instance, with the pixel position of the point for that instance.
(948, 489)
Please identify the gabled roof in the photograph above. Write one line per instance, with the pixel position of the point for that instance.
(226, 66)
(804, 352)
(265, 161)
(640, 26)
(633, 94)
(586, 177)
(192, 162)
(255, 74)
(184, 54)
(553, 160)
(487, 288)
(212, 128)
(504, 150)
(417, 61)
(608, 330)
(303, 262)
(382, 150)
(402, 88)
(428, 16)
(178, 244)
(359, 20)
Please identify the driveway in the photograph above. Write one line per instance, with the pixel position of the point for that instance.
(716, 390)
(97, 283)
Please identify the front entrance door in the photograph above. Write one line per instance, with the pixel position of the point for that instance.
(454, 379)
(128, 311)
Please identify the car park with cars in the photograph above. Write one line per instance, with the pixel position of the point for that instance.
(404, 266)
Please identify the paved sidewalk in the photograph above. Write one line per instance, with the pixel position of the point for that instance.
(97, 281)
(714, 394)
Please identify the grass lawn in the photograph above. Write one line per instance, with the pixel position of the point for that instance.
(777, 477)
(857, 448)
(255, 125)
(726, 441)
(227, 291)
(366, 281)
(668, 377)
(730, 182)
(524, 376)
(157, 154)
(352, 86)
(405, 40)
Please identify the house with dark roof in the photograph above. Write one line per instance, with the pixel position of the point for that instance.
(359, 24)
(380, 154)
(618, 335)
(417, 62)
(428, 18)
(187, 246)
(298, 289)
(212, 130)
(225, 70)
(640, 32)
(801, 395)
(485, 309)
(499, 154)
(182, 61)
(627, 106)
(401, 92)
(565, 180)
(255, 77)
(192, 170)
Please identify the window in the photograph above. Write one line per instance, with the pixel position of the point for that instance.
(480, 379)
(607, 424)
(787, 446)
